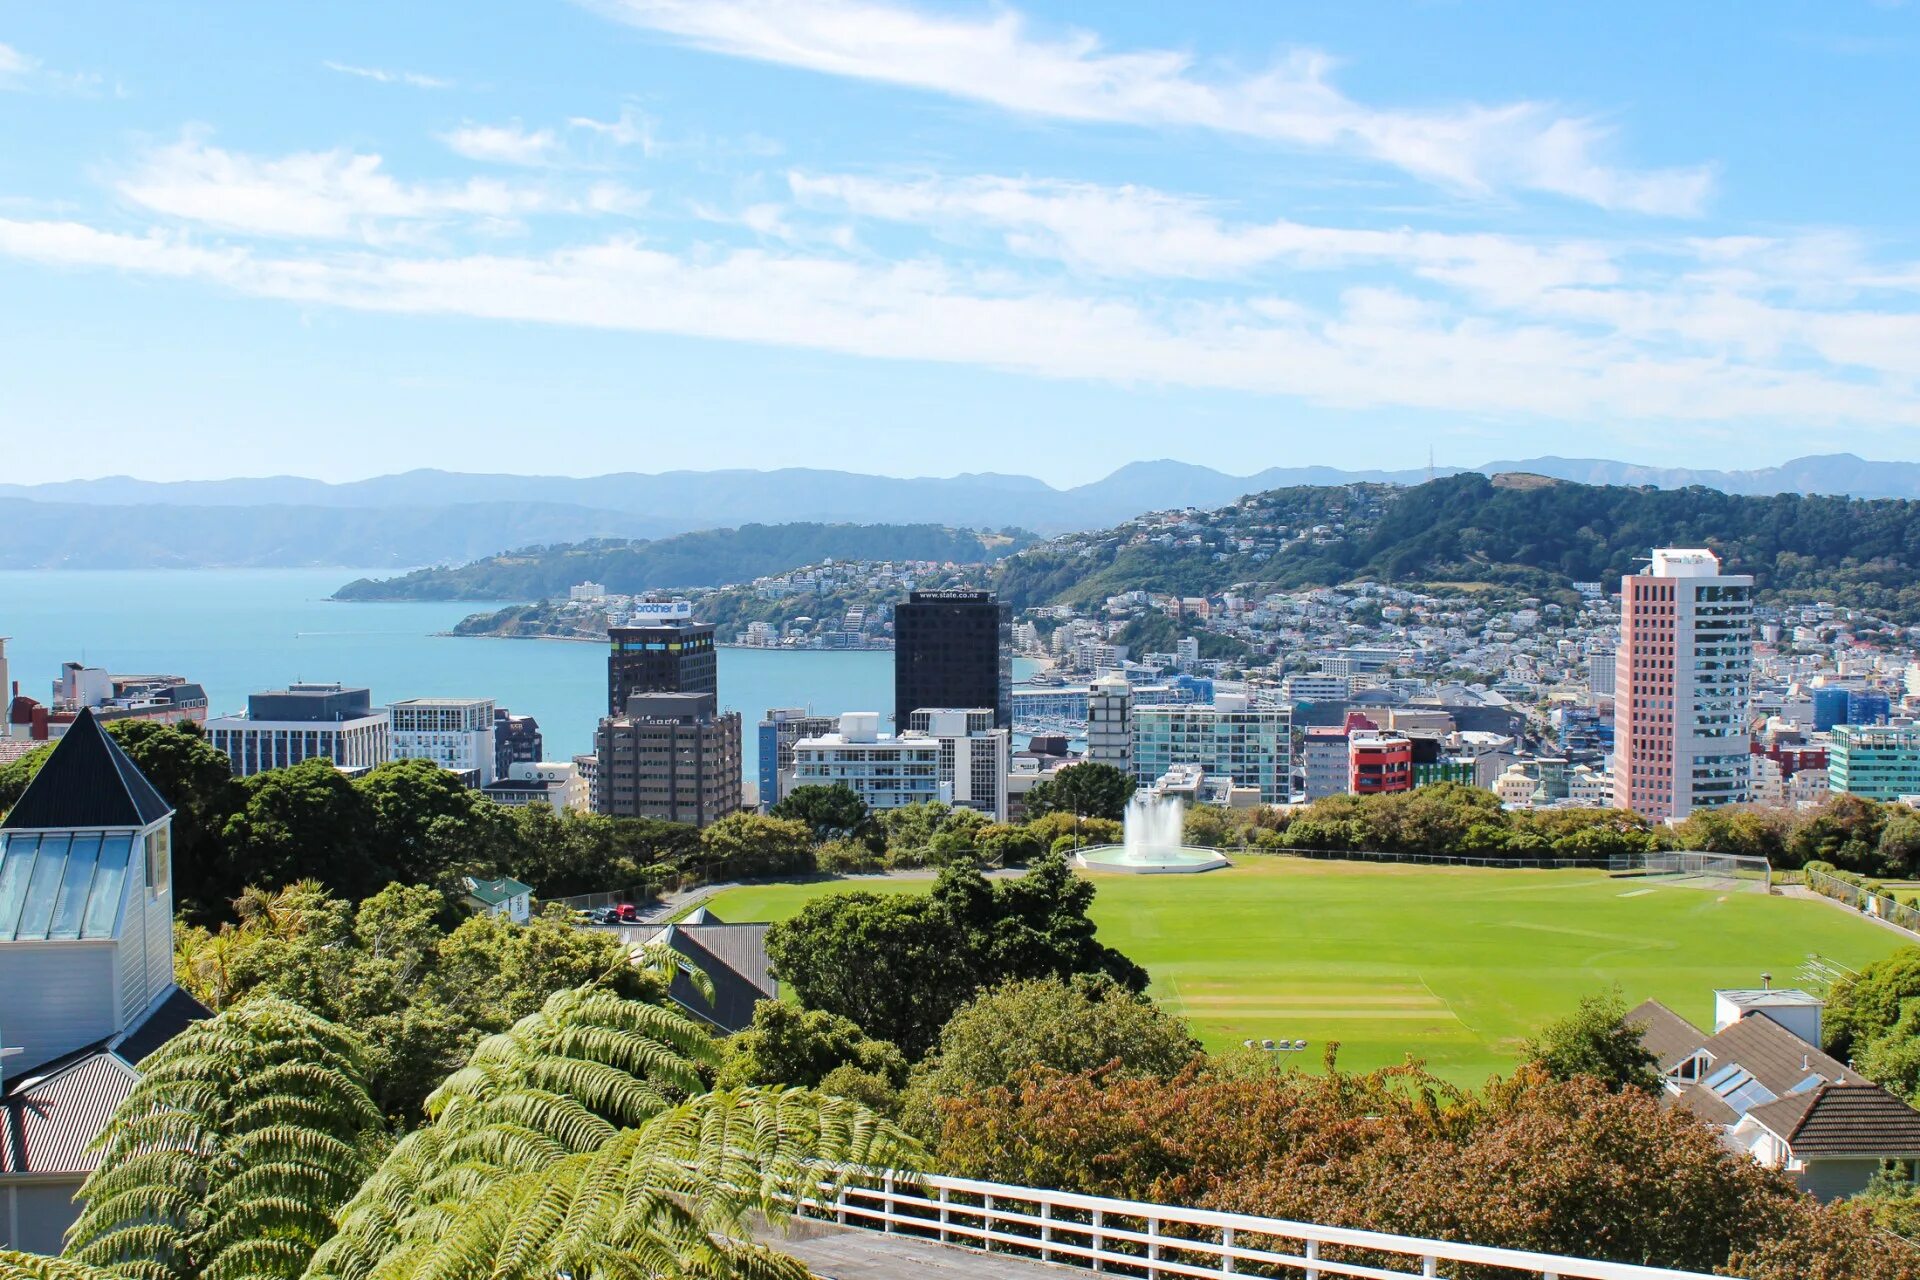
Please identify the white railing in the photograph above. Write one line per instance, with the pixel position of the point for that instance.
(1877, 905)
(1133, 1238)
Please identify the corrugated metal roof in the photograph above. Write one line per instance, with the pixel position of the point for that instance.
(87, 783)
(48, 1123)
(734, 956)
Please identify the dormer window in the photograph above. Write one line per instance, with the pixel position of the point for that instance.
(159, 860)
(59, 885)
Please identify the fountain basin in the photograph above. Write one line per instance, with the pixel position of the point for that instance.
(1150, 860)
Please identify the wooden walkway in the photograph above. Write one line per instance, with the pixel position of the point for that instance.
(851, 1253)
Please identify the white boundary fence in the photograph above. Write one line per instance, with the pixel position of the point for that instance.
(1132, 1238)
(1877, 905)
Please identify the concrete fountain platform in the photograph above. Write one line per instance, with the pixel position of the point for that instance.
(1156, 860)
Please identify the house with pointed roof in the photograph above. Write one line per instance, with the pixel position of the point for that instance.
(732, 956)
(86, 969)
(1774, 1095)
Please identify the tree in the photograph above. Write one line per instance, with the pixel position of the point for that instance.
(1050, 828)
(1091, 789)
(789, 1045)
(304, 822)
(1596, 1040)
(832, 813)
(900, 966)
(583, 1136)
(243, 1136)
(422, 995)
(1084, 1023)
(752, 844)
(1863, 1007)
(581, 1142)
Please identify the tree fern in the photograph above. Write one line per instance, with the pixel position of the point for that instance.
(227, 1160)
(579, 1142)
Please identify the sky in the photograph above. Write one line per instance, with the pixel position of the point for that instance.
(916, 238)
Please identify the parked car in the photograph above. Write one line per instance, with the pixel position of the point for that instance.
(628, 913)
(606, 915)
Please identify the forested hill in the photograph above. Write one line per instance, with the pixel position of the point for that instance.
(1520, 530)
(709, 558)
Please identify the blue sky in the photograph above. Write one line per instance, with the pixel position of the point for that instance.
(347, 239)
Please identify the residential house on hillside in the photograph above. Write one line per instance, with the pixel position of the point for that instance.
(1762, 1079)
(502, 897)
(86, 970)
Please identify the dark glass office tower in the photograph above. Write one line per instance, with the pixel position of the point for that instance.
(953, 649)
(662, 658)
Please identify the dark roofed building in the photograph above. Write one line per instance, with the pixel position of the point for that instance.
(87, 781)
(86, 969)
(734, 958)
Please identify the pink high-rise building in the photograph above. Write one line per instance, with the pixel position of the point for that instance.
(1681, 686)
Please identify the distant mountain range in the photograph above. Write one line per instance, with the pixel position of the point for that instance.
(433, 517)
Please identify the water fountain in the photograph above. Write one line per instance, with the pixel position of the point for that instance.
(1151, 831)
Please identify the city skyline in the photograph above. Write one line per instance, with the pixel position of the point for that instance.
(638, 234)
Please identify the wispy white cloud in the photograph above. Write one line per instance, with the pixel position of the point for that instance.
(630, 129)
(1371, 346)
(22, 72)
(381, 75)
(1000, 58)
(1133, 231)
(504, 143)
(335, 195)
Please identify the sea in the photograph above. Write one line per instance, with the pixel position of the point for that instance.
(237, 631)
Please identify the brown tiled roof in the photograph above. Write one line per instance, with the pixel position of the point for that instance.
(1670, 1038)
(1857, 1119)
(1706, 1104)
(1773, 1055)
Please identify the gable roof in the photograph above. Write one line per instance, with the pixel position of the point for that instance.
(495, 892)
(1670, 1038)
(734, 958)
(48, 1124)
(1857, 1119)
(87, 783)
(167, 1019)
(1773, 1055)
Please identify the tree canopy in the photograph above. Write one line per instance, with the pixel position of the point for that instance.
(899, 966)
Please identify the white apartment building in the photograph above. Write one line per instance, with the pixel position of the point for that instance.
(283, 727)
(1110, 722)
(1252, 745)
(887, 772)
(952, 755)
(550, 782)
(1682, 690)
(454, 733)
(1315, 687)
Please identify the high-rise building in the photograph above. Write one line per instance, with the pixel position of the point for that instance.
(455, 733)
(1875, 761)
(1681, 686)
(1252, 745)
(953, 649)
(670, 756)
(777, 732)
(1602, 672)
(1324, 762)
(1110, 722)
(662, 651)
(516, 740)
(302, 722)
(974, 756)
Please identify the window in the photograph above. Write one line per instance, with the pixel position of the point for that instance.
(160, 860)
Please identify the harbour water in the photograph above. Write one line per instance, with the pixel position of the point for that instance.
(236, 631)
